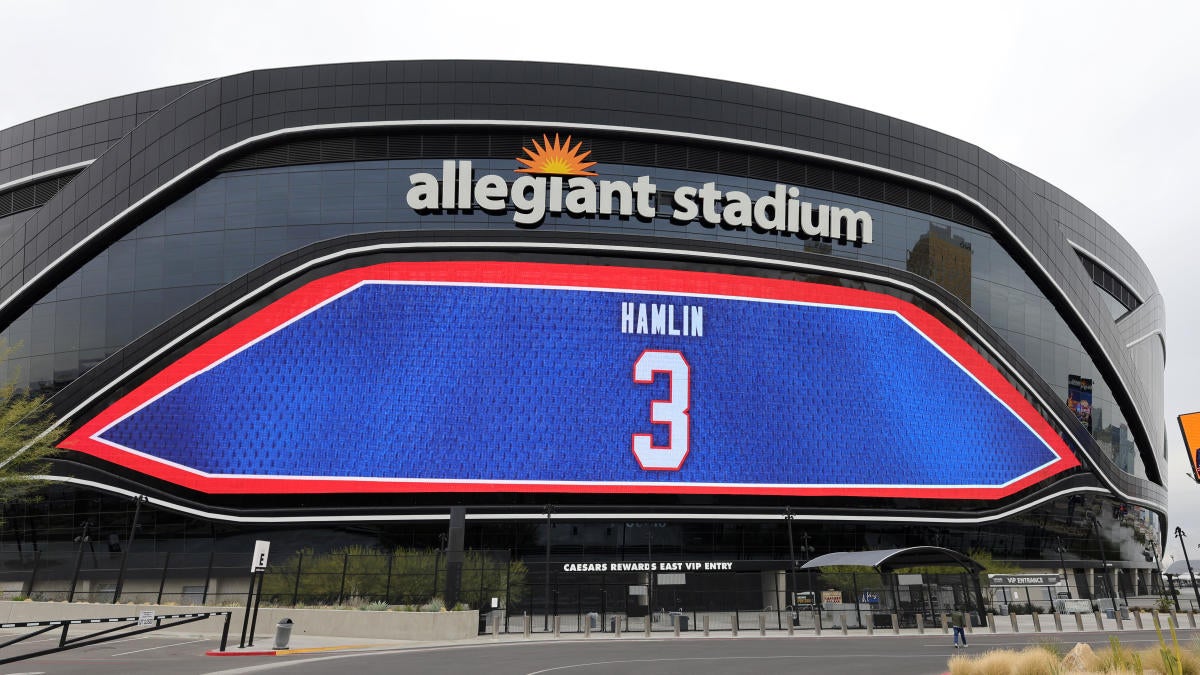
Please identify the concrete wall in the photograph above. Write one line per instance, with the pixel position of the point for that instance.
(347, 623)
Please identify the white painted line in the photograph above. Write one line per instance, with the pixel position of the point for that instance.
(150, 649)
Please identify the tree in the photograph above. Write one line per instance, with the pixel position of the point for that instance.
(28, 438)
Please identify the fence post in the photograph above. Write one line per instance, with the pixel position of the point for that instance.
(75, 575)
(345, 566)
(387, 588)
(296, 588)
(162, 581)
(208, 577)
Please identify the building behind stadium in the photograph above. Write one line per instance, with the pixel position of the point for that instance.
(656, 335)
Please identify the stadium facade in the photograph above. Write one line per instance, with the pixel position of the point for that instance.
(602, 314)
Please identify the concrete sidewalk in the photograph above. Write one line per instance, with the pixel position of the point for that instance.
(1046, 624)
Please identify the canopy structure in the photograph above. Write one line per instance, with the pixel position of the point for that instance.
(891, 559)
(887, 561)
(1178, 568)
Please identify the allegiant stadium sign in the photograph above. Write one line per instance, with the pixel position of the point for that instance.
(556, 181)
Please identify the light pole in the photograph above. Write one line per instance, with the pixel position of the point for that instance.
(787, 515)
(1062, 563)
(1181, 534)
(807, 551)
(1104, 559)
(546, 614)
(137, 510)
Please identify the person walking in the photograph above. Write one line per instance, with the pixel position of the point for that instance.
(956, 622)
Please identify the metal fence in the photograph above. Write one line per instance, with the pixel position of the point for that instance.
(510, 594)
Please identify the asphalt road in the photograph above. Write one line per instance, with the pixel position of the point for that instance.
(833, 655)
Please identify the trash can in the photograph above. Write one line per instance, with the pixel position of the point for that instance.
(681, 618)
(593, 620)
(283, 633)
(612, 624)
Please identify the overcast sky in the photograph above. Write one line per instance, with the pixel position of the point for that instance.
(1097, 98)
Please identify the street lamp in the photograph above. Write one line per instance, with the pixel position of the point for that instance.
(787, 515)
(1181, 534)
(137, 510)
(546, 614)
(1104, 559)
(1063, 563)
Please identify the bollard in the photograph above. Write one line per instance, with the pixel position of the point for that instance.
(1099, 620)
(496, 624)
(895, 623)
(1117, 616)
(1191, 618)
(1012, 618)
(1079, 621)
(1037, 622)
(817, 623)
(617, 626)
(791, 625)
(945, 624)
(557, 624)
(920, 624)
(992, 622)
(1058, 622)
(649, 623)
(968, 623)
(587, 628)
(283, 633)
(843, 622)
(733, 624)
(528, 624)
(1137, 619)
(762, 624)
(705, 625)
(675, 624)
(1174, 619)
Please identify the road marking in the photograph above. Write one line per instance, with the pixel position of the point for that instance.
(149, 649)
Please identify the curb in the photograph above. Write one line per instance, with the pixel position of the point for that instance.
(288, 652)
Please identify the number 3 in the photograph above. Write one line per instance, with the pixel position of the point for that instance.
(673, 412)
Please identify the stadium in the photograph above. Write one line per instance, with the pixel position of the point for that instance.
(598, 323)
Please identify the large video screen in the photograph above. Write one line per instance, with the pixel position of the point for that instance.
(507, 376)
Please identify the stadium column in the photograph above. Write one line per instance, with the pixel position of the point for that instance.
(454, 554)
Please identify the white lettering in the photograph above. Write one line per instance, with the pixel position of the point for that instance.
(533, 197)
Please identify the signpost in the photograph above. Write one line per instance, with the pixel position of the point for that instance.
(258, 565)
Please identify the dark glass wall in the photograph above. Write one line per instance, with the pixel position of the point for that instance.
(240, 220)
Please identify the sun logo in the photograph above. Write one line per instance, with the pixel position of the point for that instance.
(556, 158)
